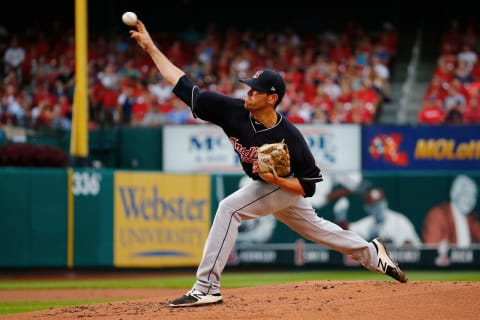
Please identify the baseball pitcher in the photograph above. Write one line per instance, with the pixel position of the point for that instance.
(282, 190)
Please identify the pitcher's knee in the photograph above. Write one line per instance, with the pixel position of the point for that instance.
(224, 209)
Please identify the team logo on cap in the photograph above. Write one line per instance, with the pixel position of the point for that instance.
(258, 73)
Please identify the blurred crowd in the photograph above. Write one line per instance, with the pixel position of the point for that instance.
(453, 95)
(333, 76)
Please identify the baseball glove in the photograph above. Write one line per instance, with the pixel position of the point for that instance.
(274, 157)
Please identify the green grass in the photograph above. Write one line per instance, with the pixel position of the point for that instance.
(12, 307)
(236, 279)
(229, 280)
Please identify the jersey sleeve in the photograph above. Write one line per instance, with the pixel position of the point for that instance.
(186, 90)
(309, 183)
(207, 105)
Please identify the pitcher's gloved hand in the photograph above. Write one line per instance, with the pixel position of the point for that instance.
(274, 157)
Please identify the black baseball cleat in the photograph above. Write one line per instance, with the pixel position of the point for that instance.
(386, 264)
(196, 298)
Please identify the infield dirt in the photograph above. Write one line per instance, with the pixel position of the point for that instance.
(339, 300)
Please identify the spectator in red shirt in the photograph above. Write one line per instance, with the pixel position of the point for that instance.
(471, 115)
(358, 113)
(341, 51)
(432, 112)
(293, 114)
(445, 69)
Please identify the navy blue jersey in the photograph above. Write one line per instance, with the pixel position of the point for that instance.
(245, 134)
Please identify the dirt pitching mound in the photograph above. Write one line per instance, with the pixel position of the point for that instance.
(340, 300)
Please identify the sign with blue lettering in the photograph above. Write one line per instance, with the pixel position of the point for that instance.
(160, 219)
(336, 147)
(205, 148)
(202, 148)
(421, 147)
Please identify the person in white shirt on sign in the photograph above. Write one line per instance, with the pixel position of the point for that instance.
(391, 226)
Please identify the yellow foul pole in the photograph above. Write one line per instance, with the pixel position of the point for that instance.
(79, 132)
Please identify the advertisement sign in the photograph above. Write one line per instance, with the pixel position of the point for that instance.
(202, 148)
(205, 148)
(421, 147)
(335, 147)
(302, 254)
(420, 231)
(160, 219)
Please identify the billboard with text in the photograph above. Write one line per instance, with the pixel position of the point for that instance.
(160, 219)
(421, 147)
(205, 148)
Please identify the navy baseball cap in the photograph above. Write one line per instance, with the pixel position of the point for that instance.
(268, 81)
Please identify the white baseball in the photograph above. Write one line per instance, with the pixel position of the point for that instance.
(129, 18)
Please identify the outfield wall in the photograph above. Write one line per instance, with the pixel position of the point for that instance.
(154, 209)
(149, 219)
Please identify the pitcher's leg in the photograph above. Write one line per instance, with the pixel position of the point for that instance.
(253, 200)
(374, 255)
(303, 219)
(219, 244)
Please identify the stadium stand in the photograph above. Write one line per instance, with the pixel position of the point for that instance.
(452, 93)
(335, 76)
